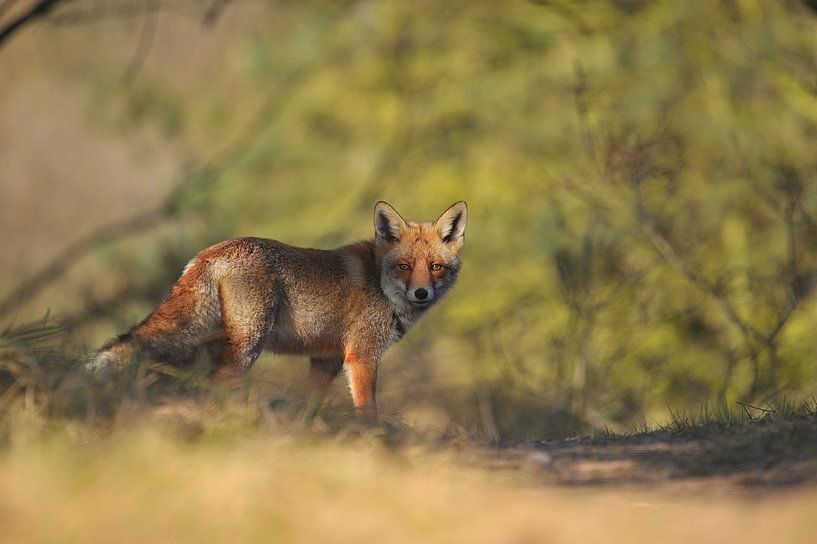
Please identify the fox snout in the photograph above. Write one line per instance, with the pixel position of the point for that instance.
(421, 295)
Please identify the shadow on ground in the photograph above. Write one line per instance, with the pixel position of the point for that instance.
(775, 451)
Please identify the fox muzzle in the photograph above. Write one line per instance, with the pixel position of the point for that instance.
(421, 295)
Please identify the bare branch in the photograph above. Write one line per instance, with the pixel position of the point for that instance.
(200, 178)
(580, 102)
(674, 259)
(37, 11)
(69, 256)
(146, 38)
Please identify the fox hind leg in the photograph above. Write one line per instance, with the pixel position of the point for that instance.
(322, 372)
(246, 312)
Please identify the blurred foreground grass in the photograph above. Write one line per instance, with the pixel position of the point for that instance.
(146, 482)
(145, 456)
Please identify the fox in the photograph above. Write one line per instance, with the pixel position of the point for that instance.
(343, 308)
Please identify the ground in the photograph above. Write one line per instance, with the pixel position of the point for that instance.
(143, 457)
(193, 472)
(774, 452)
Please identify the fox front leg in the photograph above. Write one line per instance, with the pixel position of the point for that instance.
(361, 372)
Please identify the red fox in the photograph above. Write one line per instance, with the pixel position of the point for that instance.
(343, 307)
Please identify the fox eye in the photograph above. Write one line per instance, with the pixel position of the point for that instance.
(436, 266)
(403, 266)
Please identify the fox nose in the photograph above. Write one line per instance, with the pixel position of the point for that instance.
(421, 293)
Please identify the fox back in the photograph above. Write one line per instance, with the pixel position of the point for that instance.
(343, 308)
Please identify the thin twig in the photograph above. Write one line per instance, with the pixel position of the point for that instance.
(580, 101)
(747, 405)
(671, 256)
(146, 38)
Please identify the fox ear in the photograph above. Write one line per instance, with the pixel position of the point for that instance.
(451, 224)
(387, 222)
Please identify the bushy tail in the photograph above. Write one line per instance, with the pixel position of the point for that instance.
(156, 339)
(173, 331)
(114, 355)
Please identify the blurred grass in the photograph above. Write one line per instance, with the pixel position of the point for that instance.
(149, 487)
(155, 454)
(149, 479)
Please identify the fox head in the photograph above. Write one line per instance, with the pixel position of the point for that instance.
(419, 261)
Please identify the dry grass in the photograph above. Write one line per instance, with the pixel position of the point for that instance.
(148, 457)
(150, 480)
